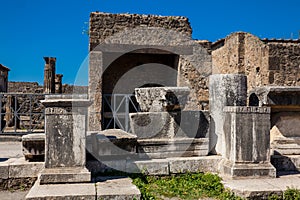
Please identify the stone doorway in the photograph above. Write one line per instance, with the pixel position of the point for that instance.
(127, 72)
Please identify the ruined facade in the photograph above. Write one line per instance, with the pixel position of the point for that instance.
(3, 78)
(264, 61)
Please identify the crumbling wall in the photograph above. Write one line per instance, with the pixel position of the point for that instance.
(103, 25)
(265, 62)
(284, 62)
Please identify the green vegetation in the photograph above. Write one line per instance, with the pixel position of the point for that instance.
(184, 186)
(289, 194)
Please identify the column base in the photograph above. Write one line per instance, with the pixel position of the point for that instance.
(248, 170)
(65, 175)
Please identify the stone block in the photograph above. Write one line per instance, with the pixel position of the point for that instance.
(194, 164)
(61, 192)
(149, 167)
(176, 147)
(247, 142)
(152, 125)
(224, 90)
(65, 175)
(116, 188)
(162, 99)
(185, 124)
(23, 169)
(33, 146)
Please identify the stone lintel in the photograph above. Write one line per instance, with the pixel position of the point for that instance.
(246, 109)
(150, 49)
(276, 96)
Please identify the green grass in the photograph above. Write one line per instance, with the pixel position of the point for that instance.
(289, 194)
(184, 186)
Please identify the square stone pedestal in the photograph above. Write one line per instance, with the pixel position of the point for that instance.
(247, 142)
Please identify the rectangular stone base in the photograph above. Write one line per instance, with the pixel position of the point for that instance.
(286, 146)
(65, 175)
(249, 170)
(59, 192)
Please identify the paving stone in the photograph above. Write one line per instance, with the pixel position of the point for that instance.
(23, 169)
(149, 167)
(62, 192)
(118, 188)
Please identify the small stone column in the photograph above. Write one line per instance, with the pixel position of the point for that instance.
(65, 129)
(58, 83)
(247, 142)
(224, 90)
(49, 75)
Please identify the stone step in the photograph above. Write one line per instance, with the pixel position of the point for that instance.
(116, 188)
(106, 188)
(62, 191)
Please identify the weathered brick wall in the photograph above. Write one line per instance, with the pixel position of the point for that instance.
(24, 87)
(225, 59)
(265, 62)
(103, 25)
(284, 62)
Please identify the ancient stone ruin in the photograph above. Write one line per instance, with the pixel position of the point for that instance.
(161, 103)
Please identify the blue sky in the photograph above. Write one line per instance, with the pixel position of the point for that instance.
(32, 29)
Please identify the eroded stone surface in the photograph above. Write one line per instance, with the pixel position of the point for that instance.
(162, 99)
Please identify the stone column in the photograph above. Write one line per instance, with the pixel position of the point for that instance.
(65, 129)
(58, 83)
(224, 90)
(247, 142)
(49, 75)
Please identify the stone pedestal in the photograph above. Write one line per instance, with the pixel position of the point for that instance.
(224, 90)
(247, 142)
(65, 139)
(33, 146)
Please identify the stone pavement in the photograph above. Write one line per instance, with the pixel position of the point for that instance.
(262, 188)
(10, 150)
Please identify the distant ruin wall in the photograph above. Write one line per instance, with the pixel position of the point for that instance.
(265, 62)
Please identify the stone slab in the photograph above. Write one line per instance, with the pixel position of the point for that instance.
(262, 188)
(61, 192)
(286, 145)
(65, 175)
(21, 168)
(194, 164)
(116, 188)
(149, 167)
(33, 146)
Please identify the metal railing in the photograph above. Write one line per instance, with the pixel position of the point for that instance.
(116, 109)
(21, 113)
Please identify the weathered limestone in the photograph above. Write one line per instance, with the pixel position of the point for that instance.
(58, 83)
(111, 144)
(65, 139)
(49, 75)
(247, 142)
(162, 99)
(116, 188)
(175, 133)
(33, 146)
(224, 90)
(285, 117)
